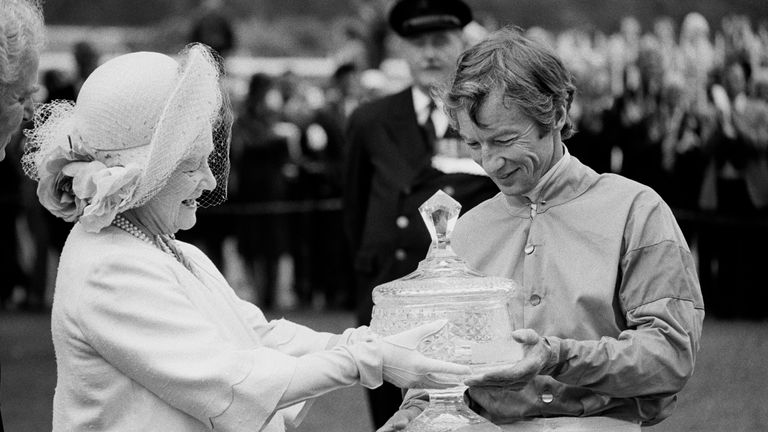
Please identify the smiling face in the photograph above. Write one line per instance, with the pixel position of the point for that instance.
(174, 207)
(16, 100)
(509, 145)
(432, 56)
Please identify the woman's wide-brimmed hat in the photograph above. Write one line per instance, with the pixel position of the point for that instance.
(136, 117)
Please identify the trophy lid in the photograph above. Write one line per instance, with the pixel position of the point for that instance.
(442, 273)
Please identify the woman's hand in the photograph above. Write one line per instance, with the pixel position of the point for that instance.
(405, 367)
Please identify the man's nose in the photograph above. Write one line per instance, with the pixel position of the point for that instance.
(491, 160)
(430, 50)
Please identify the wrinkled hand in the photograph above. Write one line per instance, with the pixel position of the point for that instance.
(536, 355)
(400, 419)
(405, 367)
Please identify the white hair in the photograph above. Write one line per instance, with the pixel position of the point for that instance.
(21, 33)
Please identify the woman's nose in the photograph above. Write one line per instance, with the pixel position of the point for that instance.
(209, 181)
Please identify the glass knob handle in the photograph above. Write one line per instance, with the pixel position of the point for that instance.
(440, 213)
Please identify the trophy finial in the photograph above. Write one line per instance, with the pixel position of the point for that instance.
(440, 213)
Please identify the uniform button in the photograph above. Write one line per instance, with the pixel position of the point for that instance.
(535, 299)
(402, 222)
(547, 397)
(407, 190)
(529, 249)
(449, 190)
(400, 255)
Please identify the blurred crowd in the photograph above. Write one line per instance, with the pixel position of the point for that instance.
(681, 107)
(684, 111)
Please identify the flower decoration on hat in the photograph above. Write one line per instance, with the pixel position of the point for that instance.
(74, 186)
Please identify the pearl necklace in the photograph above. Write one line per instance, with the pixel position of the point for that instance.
(161, 242)
(126, 225)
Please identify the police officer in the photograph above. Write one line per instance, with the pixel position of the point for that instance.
(400, 152)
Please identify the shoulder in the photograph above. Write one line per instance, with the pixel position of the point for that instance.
(649, 219)
(95, 257)
(98, 271)
(623, 192)
(373, 110)
(639, 195)
(91, 249)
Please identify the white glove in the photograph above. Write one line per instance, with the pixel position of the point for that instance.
(405, 367)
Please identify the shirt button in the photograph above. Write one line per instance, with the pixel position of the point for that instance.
(547, 397)
(529, 249)
(402, 222)
(535, 299)
(449, 190)
(400, 255)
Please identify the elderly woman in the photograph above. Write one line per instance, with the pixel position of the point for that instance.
(21, 36)
(148, 334)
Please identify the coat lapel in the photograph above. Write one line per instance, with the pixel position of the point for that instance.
(404, 131)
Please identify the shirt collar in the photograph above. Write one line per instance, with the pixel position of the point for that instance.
(566, 180)
(421, 103)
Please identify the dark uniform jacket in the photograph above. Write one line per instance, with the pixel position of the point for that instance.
(388, 175)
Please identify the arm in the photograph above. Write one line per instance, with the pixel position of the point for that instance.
(657, 352)
(136, 315)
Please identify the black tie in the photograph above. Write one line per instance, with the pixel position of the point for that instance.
(429, 128)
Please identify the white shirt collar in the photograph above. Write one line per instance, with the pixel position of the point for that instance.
(421, 107)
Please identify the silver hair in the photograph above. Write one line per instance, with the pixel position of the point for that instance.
(21, 33)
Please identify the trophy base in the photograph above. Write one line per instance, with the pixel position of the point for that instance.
(451, 417)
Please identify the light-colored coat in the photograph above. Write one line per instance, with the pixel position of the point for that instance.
(143, 344)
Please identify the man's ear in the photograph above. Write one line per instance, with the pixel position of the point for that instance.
(560, 117)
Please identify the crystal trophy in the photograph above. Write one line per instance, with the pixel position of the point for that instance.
(482, 312)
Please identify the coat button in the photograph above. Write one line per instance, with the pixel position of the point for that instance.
(547, 397)
(449, 190)
(400, 255)
(535, 299)
(402, 222)
(529, 249)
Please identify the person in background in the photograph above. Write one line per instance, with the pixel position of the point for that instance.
(261, 156)
(400, 152)
(148, 334)
(22, 35)
(86, 61)
(735, 187)
(214, 28)
(612, 309)
(12, 275)
(323, 145)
